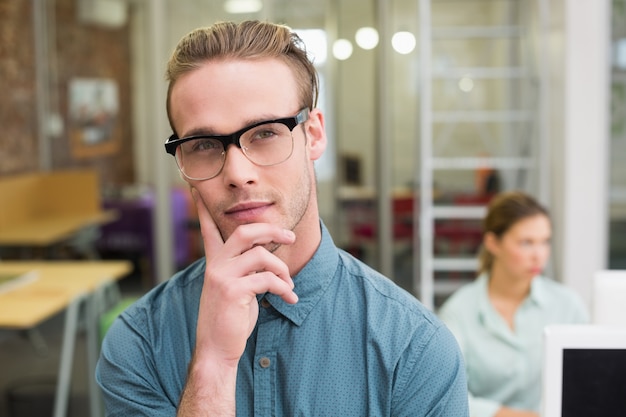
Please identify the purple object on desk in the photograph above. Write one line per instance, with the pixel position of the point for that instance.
(132, 233)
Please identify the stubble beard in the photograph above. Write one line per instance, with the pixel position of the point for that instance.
(296, 208)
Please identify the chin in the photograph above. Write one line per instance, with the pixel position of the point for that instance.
(272, 247)
(526, 276)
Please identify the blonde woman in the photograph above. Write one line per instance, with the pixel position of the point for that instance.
(499, 318)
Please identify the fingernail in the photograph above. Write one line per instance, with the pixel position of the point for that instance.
(290, 234)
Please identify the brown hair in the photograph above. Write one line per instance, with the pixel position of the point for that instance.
(246, 40)
(504, 210)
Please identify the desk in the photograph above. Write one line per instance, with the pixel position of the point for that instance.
(40, 209)
(46, 231)
(62, 285)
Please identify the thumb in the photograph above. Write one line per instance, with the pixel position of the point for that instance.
(211, 236)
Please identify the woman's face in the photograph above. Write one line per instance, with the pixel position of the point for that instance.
(522, 251)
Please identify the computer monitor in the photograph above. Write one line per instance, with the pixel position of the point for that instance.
(608, 303)
(584, 371)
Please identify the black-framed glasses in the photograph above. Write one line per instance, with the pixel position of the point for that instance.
(270, 142)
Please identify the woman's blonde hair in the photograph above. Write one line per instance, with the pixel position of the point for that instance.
(503, 211)
(246, 40)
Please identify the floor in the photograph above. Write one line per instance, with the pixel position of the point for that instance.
(28, 374)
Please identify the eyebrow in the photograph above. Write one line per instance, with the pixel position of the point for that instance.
(207, 131)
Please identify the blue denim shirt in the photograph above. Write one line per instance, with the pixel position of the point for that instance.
(355, 344)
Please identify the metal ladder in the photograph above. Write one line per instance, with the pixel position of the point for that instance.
(521, 125)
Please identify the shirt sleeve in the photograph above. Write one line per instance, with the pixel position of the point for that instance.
(126, 376)
(432, 378)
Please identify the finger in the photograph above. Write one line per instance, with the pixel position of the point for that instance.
(258, 259)
(211, 236)
(262, 282)
(247, 236)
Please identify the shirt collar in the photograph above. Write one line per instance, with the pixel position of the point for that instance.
(538, 293)
(491, 318)
(311, 282)
(484, 305)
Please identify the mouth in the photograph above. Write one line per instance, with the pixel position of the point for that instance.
(248, 211)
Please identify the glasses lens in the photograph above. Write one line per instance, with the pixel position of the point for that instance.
(267, 144)
(200, 158)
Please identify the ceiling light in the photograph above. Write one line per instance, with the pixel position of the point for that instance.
(243, 6)
(316, 44)
(403, 42)
(466, 84)
(342, 49)
(367, 37)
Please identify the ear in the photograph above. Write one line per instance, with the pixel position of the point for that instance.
(316, 134)
(491, 243)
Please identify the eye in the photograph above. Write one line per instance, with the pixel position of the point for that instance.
(264, 133)
(204, 145)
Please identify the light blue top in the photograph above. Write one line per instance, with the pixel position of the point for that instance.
(355, 344)
(504, 366)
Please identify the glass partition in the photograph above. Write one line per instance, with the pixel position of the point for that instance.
(617, 145)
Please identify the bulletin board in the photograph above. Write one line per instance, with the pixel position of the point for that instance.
(93, 117)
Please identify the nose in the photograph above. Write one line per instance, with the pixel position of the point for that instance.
(541, 253)
(238, 170)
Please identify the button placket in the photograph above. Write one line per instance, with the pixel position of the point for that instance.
(265, 362)
(267, 341)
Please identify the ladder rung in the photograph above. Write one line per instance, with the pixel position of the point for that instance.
(455, 264)
(477, 163)
(482, 116)
(459, 212)
(461, 32)
(448, 286)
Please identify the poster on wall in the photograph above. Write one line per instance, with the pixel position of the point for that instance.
(93, 116)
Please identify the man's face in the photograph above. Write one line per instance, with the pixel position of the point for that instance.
(224, 96)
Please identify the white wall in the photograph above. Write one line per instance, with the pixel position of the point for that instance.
(581, 154)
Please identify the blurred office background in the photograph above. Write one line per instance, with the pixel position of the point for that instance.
(432, 106)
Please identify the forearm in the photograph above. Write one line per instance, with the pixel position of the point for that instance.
(209, 391)
(509, 412)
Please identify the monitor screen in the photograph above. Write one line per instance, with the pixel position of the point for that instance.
(584, 371)
(594, 382)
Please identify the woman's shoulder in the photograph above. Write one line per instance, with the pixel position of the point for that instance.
(563, 298)
(471, 288)
(465, 298)
(555, 288)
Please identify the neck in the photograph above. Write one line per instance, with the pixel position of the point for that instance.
(308, 238)
(503, 286)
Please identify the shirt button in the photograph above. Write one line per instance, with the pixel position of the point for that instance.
(264, 362)
(265, 303)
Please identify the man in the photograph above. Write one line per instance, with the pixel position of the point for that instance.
(275, 320)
